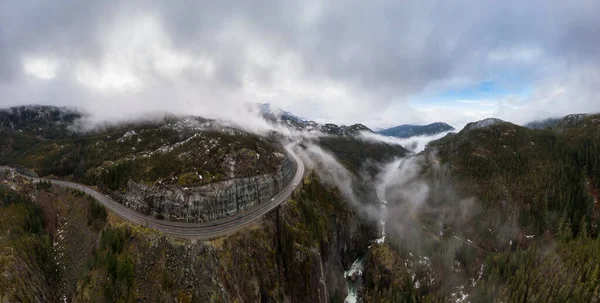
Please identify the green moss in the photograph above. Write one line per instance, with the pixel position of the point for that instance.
(188, 179)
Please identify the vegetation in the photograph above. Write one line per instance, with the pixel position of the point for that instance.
(43, 185)
(567, 270)
(26, 249)
(310, 208)
(360, 156)
(268, 261)
(542, 185)
(532, 234)
(96, 212)
(388, 279)
(542, 176)
(147, 152)
(117, 264)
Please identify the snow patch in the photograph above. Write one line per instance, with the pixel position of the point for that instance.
(127, 136)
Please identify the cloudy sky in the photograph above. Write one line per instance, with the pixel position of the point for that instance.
(382, 63)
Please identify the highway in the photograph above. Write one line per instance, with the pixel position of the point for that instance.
(205, 230)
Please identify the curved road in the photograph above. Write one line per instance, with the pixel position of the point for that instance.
(194, 230)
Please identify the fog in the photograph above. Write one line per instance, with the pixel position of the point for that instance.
(333, 173)
(414, 144)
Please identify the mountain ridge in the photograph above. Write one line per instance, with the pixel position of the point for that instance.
(412, 130)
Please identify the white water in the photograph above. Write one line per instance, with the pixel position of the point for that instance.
(358, 265)
(384, 212)
(356, 269)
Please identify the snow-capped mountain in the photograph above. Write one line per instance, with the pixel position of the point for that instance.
(483, 123)
(281, 117)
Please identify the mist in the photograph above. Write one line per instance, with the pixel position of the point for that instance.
(414, 144)
(332, 172)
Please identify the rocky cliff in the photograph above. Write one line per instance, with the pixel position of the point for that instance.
(297, 253)
(208, 202)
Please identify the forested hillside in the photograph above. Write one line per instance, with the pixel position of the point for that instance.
(173, 150)
(546, 175)
(510, 214)
(58, 245)
(496, 212)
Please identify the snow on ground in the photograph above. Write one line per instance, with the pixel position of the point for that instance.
(127, 136)
(483, 123)
(459, 295)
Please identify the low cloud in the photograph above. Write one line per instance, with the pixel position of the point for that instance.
(335, 174)
(414, 144)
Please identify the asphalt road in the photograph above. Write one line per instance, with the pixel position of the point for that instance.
(194, 230)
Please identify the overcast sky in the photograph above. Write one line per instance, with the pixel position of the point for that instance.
(382, 63)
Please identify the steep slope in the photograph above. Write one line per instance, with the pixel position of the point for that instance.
(47, 235)
(358, 155)
(409, 130)
(39, 120)
(298, 252)
(177, 168)
(542, 173)
(497, 212)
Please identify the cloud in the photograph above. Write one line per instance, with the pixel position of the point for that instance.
(414, 144)
(313, 58)
(478, 102)
(332, 172)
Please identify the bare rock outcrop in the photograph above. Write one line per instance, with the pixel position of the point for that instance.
(208, 202)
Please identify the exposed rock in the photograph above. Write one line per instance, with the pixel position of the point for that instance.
(208, 202)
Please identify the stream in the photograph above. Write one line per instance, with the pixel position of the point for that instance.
(354, 279)
(354, 275)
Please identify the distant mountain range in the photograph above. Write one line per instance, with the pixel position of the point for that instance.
(410, 130)
(278, 116)
(572, 119)
(493, 189)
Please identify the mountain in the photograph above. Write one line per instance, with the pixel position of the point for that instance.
(495, 212)
(61, 245)
(409, 130)
(154, 167)
(278, 116)
(570, 120)
(287, 119)
(483, 123)
(542, 124)
(506, 202)
(39, 120)
(334, 129)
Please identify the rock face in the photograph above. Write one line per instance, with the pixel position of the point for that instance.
(297, 253)
(209, 202)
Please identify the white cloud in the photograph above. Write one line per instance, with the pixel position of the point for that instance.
(414, 144)
(309, 57)
(483, 102)
(40, 67)
(108, 78)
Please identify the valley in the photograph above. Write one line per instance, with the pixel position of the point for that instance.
(356, 221)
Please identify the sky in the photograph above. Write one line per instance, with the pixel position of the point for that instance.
(381, 63)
